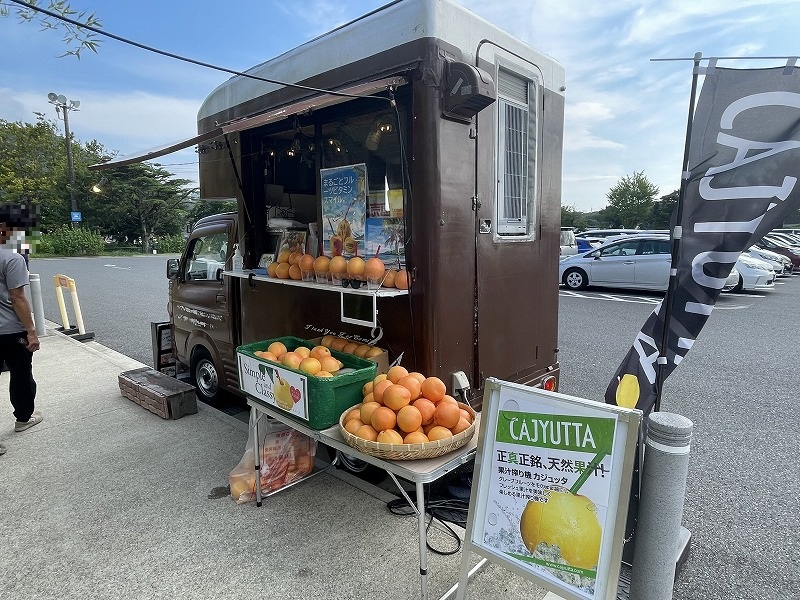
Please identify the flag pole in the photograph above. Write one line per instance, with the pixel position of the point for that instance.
(677, 234)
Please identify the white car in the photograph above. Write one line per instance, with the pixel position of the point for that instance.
(754, 274)
(780, 264)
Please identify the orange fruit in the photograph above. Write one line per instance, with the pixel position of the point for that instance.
(291, 360)
(277, 348)
(269, 356)
(338, 264)
(415, 437)
(324, 374)
(396, 373)
(302, 351)
(294, 258)
(418, 376)
(310, 366)
(329, 364)
(355, 266)
(322, 264)
(353, 413)
(409, 419)
(412, 385)
(338, 344)
(283, 256)
(362, 350)
(367, 432)
(295, 272)
(373, 352)
(374, 268)
(438, 433)
(446, 414)
(383, 418)
(327, 341)
(272, 269)
(389, 436)
(426, 409)
(379, 378)
(319, 352)
(353, 425)
(370, 398)
(433, 389)
(367, 388)
(350, 347)
(396, 396)
(389, 278)
(379, 388)
(402, 280)
(462, 425)
(465, 415)
(449, 399)
(306, 262)
(367, 409)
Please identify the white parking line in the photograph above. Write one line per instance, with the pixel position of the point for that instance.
(651, 301)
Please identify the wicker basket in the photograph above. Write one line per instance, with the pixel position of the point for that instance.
(409, 451)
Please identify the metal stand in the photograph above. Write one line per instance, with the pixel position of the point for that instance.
(419, 472)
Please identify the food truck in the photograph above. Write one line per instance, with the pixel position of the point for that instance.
(419, 133)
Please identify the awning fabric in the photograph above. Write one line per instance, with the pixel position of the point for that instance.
(271, 116)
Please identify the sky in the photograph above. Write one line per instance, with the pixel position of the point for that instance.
(624, 112)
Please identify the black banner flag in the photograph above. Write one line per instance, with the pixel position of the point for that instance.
(742, 181)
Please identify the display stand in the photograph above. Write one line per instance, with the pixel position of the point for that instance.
(419, 472)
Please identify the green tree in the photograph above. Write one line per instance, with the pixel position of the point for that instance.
(572, 217)
(76, 38)
(661, 212)
(204, 208)
(139, 202)
(632, 199)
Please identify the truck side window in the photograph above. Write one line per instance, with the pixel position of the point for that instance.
(206, 254)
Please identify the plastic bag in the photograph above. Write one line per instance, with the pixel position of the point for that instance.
(286, 456)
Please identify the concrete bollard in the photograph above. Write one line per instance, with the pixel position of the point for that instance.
(37, 305)
(666, 465)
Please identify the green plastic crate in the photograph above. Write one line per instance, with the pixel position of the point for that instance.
(328, 397)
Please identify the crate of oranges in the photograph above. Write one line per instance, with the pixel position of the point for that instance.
(407, 416)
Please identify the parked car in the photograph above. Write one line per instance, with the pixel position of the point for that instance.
(637, 262)
(585, 245)
(774, 246)
(753, 274)
(732, 281)
(780, 264)
(568, 244)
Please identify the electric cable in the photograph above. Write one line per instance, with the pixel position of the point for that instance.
(442, 511)
(184, 58)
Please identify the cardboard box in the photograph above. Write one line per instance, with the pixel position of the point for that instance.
(382, 360)
(315, 401)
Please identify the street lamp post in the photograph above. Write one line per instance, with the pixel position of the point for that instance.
(63, 106)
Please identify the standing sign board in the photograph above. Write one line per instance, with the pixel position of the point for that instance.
(550, 493)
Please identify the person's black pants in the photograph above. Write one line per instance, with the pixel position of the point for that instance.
(18, 359)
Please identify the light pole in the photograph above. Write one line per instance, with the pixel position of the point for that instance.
(63, 106)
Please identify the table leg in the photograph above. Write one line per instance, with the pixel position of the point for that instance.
(254, 418)
(423, 550)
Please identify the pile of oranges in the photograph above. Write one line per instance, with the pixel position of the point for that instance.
(316, 361)
(406, 408)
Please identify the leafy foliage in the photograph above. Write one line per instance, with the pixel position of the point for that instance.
(73, 241)
(631, 200)
(171, 244)
(571, 217)
(204, 208)
(76, 38)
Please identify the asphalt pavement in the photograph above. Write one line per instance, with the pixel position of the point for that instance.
(106, 500)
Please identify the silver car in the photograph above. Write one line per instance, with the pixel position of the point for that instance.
(639, 262)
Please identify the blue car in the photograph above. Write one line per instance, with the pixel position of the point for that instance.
(583, 245)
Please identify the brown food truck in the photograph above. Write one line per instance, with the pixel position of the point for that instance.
(448, 132)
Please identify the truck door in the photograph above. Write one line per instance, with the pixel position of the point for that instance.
(201, 307)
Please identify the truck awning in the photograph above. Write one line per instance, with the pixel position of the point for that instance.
(271, 116)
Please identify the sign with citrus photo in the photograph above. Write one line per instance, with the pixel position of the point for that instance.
(550, 497)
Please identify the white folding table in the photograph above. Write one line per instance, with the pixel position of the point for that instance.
(419, 472)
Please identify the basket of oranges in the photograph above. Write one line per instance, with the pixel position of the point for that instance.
(407, 416)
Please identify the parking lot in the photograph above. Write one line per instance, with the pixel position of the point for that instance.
(739, 386)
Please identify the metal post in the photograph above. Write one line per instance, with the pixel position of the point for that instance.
(38, 307)
(666, 466)
(70, 167)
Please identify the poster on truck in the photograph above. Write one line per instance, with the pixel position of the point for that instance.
(547, 500)
(344, 209)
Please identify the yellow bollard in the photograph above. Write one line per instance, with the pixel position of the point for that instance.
(62, 281)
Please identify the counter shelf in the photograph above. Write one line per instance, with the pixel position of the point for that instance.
(348, 313)
(418, 472)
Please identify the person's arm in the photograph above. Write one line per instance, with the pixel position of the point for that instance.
(22, 309)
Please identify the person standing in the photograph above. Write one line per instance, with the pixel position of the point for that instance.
(18, 339)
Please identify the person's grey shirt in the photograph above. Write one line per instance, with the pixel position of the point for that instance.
(13, 274)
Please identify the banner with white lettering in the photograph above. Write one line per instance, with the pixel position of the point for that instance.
(744, 163)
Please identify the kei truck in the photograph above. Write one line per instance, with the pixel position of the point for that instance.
(418, 133)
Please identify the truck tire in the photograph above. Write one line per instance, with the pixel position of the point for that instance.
(359, 468)
(204, 375)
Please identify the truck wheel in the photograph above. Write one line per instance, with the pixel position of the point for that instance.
(575, 279)
(204, 376)
(359, 468)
